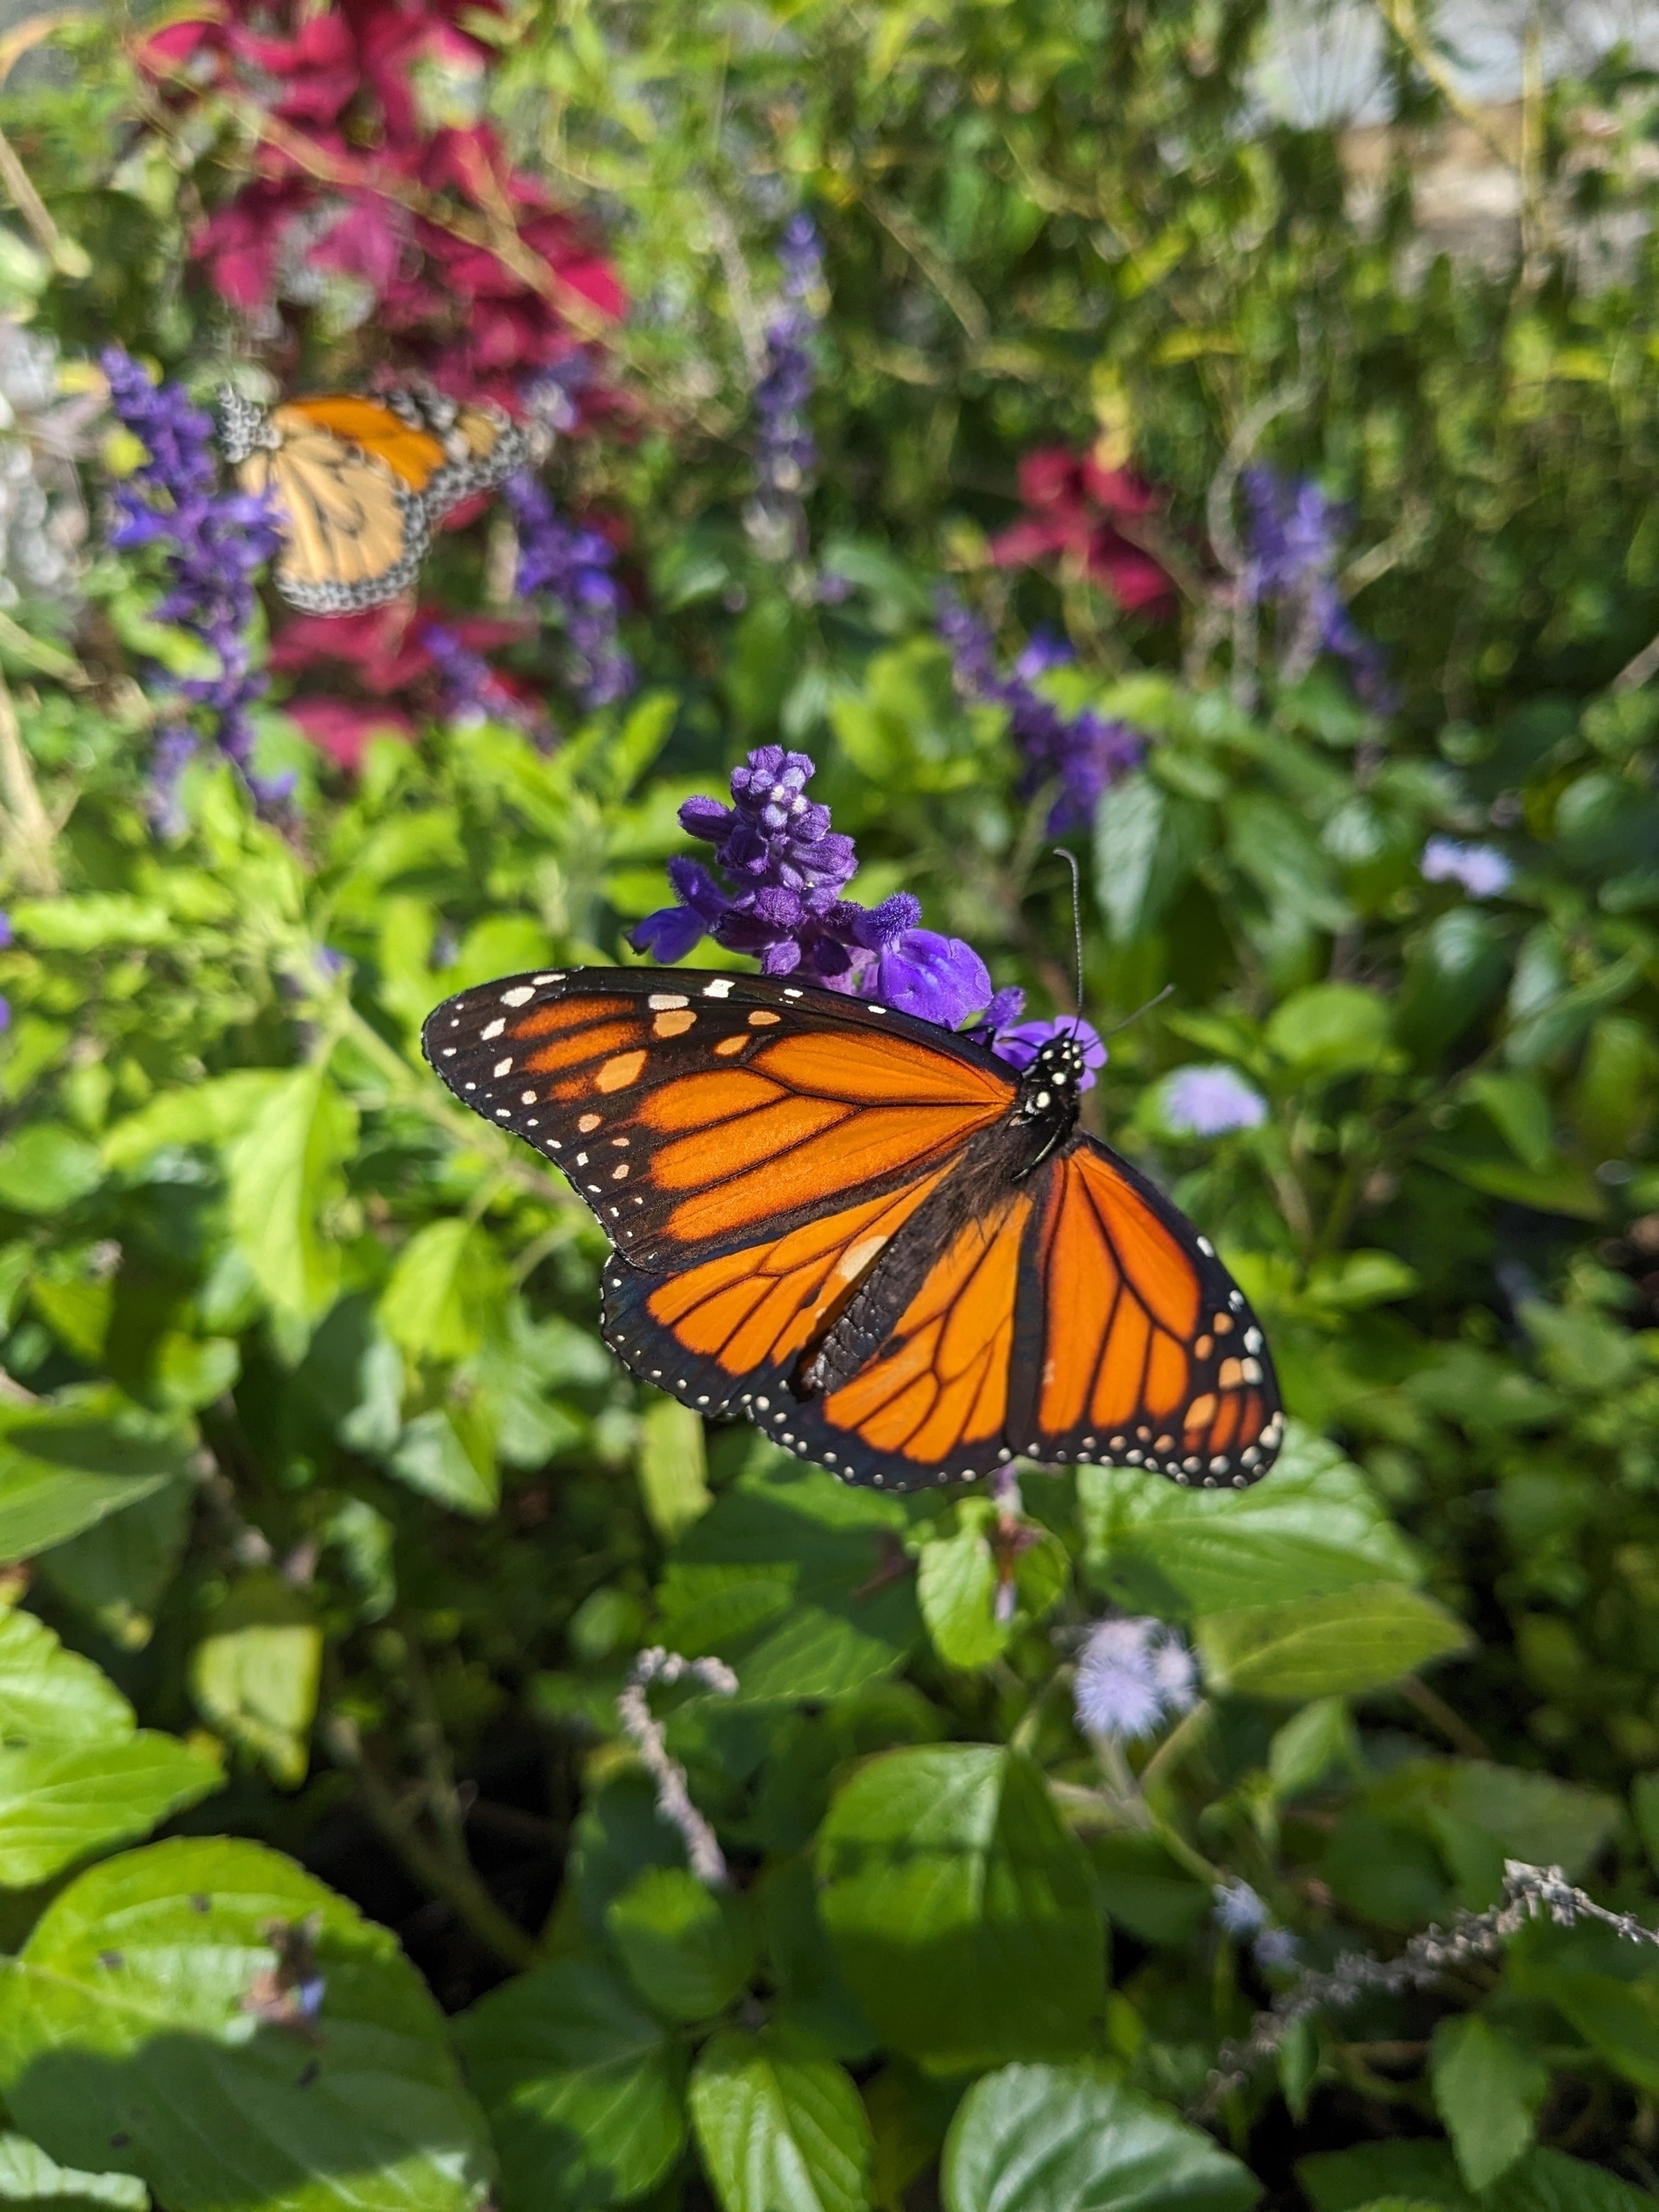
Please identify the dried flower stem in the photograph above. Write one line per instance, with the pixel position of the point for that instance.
(1529, 1892)
(643, 1730)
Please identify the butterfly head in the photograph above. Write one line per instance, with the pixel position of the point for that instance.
(1051, 1086)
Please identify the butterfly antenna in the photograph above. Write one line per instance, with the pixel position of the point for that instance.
(1167, 991)
(1070, 859)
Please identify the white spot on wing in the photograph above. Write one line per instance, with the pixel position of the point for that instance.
(518, 998)
(494, 1030)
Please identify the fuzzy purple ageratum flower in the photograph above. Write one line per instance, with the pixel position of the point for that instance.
(1078, 757)
(1210, 1102)
(1482, 870)
(1238, 1910)
(215, 543)
(1132, 1674)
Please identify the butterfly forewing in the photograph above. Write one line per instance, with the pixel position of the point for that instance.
(820, 1224)
(702, 1115)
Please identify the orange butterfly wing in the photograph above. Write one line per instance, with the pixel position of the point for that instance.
(774, 1165)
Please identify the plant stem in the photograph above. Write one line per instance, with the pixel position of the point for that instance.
(31, 825)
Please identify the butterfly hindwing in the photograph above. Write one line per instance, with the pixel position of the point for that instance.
(818, 1227)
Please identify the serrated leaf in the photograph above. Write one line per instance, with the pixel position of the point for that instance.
(1072, 2139)
(283, 1170)
(1486, 2091)
(52, 1696)
(689, 1949)
(1315, 1526)
(582, 2088)
(442, 1291)
(1319, 1647)
(956, 1586)
(125, 2022)
(58, 1804)
(961, 1912)
(779, 2129)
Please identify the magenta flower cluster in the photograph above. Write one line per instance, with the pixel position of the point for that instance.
(215, 543)
(1076, 756)
(782, 900)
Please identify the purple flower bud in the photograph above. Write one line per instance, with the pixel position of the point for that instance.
(571, 569)
(1210, 1102)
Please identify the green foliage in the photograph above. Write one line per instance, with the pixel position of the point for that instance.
(329, 1531)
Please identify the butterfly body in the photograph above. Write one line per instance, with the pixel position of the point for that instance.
(361, 483)
(894, 1253)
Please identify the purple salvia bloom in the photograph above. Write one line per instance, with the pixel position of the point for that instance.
(1237, 1911)
(572, 568)
(1130, 1679)
(1210, 1102)
(216, 543)
(938, 979)
(1079, 756)
(1482, 870)
(785, 451)
(4, 1014)
(5, 930)
(1294, 549)
(1019, 1046)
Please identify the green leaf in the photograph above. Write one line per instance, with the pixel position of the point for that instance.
(956, 1585)
(214, 1113)
(1454, 973)
(1488, 2091)
(91, 922)
(1408, 2175)
(447, 1284)
(1072, 2139)
(115, 1571)
(283, 1170)
(64, 1467)
(130, 2028)
(1315, 1527)
(779, 2130)
(1331, 1030)
(963, 1912)
(1526, 1815)
(432, 1457)
(255, 1674)
(29, 2177)
(1318, 1647)
(57, 1803)
(45, 1167)
(689, 1949)
(799, 1582)
(581, 2085)
(673, 1475)
(1313, 1741)
(1607, 1988)
(52, 1696)
(815, 2003)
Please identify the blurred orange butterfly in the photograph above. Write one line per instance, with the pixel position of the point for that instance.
(361, 483)
(893, 1253)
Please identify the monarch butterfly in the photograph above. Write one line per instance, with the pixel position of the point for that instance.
(361, 483)
(874, 1239)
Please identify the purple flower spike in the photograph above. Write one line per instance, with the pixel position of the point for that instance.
(1211, 1102)
(1079, 756)
(216, 543)
(1482, 870)
(785, 451)
(1295, 550)
(572, 568)
(1020, 1046)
